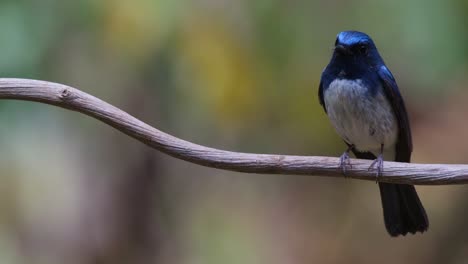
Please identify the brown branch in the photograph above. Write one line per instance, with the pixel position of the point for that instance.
(76, 100)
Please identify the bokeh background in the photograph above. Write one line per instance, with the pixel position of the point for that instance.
(239, 75)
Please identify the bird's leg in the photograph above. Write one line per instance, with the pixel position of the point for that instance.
(345, 161)
(378, 163)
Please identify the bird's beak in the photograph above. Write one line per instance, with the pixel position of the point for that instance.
(341, 49)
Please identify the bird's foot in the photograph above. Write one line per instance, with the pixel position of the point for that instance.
(377, 164)
(345, 161)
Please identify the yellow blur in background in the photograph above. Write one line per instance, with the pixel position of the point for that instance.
(232, 74)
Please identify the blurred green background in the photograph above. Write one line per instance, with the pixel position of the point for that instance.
(240, 75)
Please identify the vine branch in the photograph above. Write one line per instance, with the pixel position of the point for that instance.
(73, 99)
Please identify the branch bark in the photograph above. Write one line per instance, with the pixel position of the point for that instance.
(76, 100)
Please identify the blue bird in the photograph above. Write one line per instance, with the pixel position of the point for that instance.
(362, 101)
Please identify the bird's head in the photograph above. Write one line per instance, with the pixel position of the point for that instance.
(356, 47)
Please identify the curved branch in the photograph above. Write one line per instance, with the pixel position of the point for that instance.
(76, 100)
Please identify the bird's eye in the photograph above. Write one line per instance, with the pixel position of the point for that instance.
(336, 41)
(363, 49)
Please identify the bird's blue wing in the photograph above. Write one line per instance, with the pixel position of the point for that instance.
(323, 79)
(320, 95)
(404, 145)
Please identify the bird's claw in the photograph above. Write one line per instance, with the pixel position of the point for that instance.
(378, 164)
(345, 162)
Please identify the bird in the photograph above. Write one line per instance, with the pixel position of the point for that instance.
(363, 103)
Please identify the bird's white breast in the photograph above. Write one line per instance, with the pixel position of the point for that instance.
(360, 117)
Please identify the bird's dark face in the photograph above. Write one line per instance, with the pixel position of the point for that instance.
(355, 49)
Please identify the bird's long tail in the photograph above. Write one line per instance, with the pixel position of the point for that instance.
(402, 209)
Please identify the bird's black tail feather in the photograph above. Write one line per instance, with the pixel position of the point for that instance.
(402, 209)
